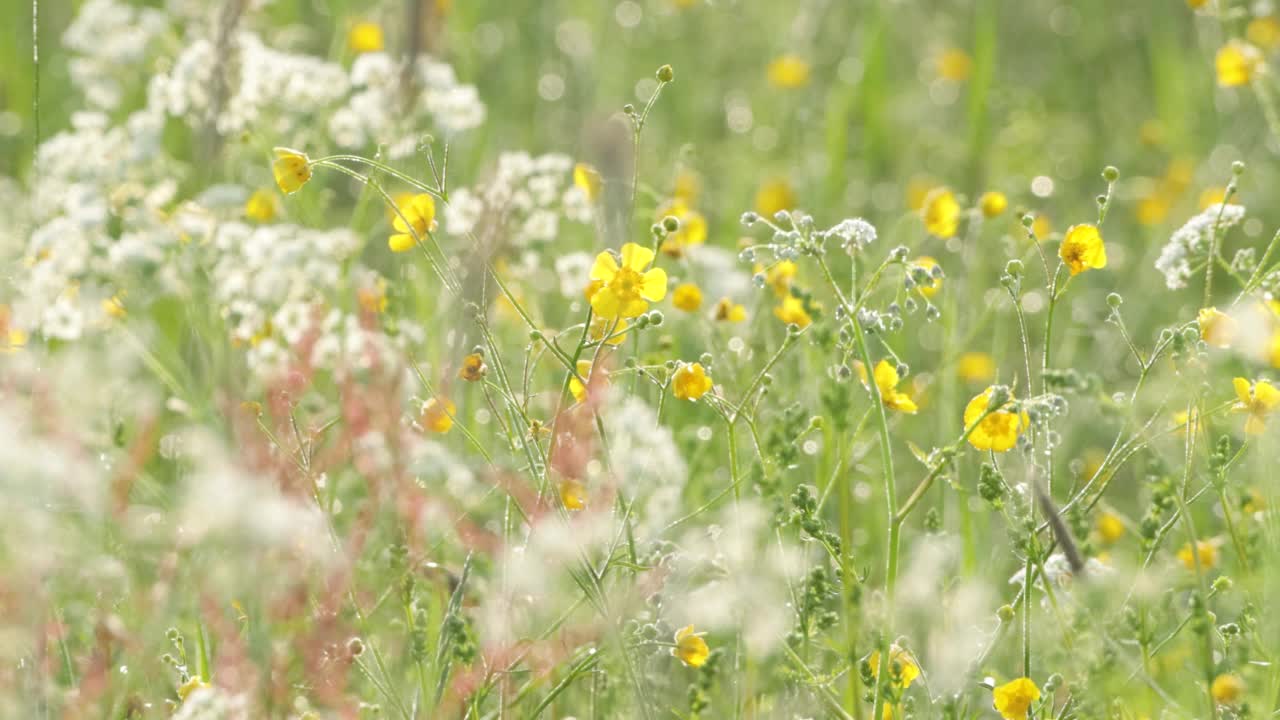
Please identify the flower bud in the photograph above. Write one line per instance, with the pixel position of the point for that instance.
(666, 74)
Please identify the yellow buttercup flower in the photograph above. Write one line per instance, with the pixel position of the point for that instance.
(792, 311)
(1041, 226)
(686, 297)
(1264, 32)
(1216, 328)
(788, 72)
(993, 203)
(976, 367)
(998, 431)
(1013, 699)
(1227, 689)
(779, 276)
(1206, 553)
(907, 665)
(292, 169)
(692, 230)
(1213, 196)
(886, 377)
(365, 37)
(955, 64)
(577, 387)
(417, 216)
(473, 368)
(587, 179)
(690, 382)
(1237, 62)
(114, 307)
(1151, 209)
(774, 196)
(729, 311)
(935, 283)
(437, 415)
(690, 647)
(573, 494)
(1197, 4)
(615, 330)
(261, 206)
(688, 186)
(1259, 402)
(373, 298)
(1109, 526)
(1082, 249)
(1273, 349)
(941, 212)
(627, 288)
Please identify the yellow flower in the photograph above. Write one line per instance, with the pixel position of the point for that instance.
(1236, 63)
(692, 230)
(1110, 527)
(792, 311)
(261, 206)
(1264, 32)
(998, 431)
(1259, 401)
(190, 686)
(416, 217)
(1197, 4)
(1041, 226)
(1206, 553)
(1216, 328)
(291, 168)
(437, 415)
(1180, 419)
(1082, 249)
(1151, 209)
(13, 340)
(687, 297)
(886, 377)
(1013, 699)
(955, 64)
(365, 37)
(573, 494)
(577, 387)
(907, 664)
(615, 330)
(1273, 349)
(774, 196)
(779, 276)
(729, 311)
(935, 283)
(690, 647)
(993, 203)
(690, 382)
(114, 307)
(687, 187)
(788, 72)
(917, 191)
(976, 367)
(1212, 196)
(627, 287)
(587, 179)
(1227, 689)
(941, 213)
(473, 368)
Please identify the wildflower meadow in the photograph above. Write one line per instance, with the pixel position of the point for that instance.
(654, 359)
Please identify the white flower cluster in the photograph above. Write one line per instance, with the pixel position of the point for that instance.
(111, 41)
(855, 233)
(213, 703)
(647, 460)
(375, 112)
(1190, 242)
(526, 197)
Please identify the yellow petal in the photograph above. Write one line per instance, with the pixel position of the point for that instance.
(653, 285)
(605, 267)
(1266, 394)
(886, 377)
(1242, 390)
(636, 257)
(605, 303)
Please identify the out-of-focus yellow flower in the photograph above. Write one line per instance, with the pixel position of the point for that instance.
(941, 213)
(686, 297)
(1253, 501)
(1151, 209)
(688, 186)
(729, 311)
(918, 189)
(1215, 195)
(1041, 226)
(907, 665)
(1206, 553)
(615, 330)
(1082, 249)
(779, 276)
(1013, 699)
(690, 647)
(690, 382)
(114, 307)
(573, 494)
(792, 311)
(788, 72)
(1264, 32)
(261, 206)
(993, 203)
(473, 368)
(1273, 349)
(692, 230)
(773, 196)
(1227, 689)
(1180, 419)
(373, 298)
(1237, 62)
(365, 37)
(976, 367)
(1197, 4)
(416, 217)
(12, 340)
(1151, 133)
(578, 387)
(190, 686)
(1110, 527)
(998, 431)
(930, 288)
(955, 64)
(1258, 401)
(437, 415)
(292, 169)
(627, 289)
(588, 180)
(1216, 328)
(887, 379)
